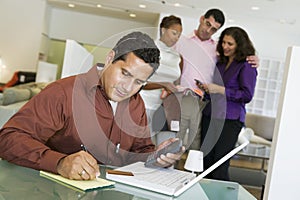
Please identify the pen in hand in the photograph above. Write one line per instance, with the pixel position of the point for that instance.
(83, 147)
(116, 172)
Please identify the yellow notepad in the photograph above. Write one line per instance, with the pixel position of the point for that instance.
(83, 185)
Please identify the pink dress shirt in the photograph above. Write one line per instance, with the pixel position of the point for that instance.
(199, 59)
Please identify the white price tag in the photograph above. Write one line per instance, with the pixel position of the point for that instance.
(174, 125)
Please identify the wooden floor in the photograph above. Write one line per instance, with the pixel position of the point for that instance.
(255, 191)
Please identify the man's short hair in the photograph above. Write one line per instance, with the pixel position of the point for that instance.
(141, 45)
(217, 14)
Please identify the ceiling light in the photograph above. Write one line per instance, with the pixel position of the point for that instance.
(287, 21)
(177, 4)
(142, 6)
(230, 20)
(255, 8)
(71, 5)
(99, 6)
(282, 21)
(132, 15)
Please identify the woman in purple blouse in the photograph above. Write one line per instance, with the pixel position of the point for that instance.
(233, 86)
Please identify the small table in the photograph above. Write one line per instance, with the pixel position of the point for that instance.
(259, 151)
(248, 167)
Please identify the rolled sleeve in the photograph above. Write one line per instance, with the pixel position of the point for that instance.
(50, 160)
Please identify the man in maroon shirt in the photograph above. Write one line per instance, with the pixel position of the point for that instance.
(100, 110)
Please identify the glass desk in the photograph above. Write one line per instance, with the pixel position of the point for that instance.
(23, 183)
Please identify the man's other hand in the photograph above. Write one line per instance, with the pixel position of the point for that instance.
(170, 158)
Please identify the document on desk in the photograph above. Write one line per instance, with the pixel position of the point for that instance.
(82, 185)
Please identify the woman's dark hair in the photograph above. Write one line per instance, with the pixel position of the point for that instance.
(217, 14)
(168, 21)
(141, 45)
(244, 46)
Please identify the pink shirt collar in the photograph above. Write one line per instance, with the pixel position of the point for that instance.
(194, 36)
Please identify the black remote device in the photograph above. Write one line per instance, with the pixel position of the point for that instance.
(198, 82)
(173, 147)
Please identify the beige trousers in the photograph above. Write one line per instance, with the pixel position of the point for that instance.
(191, 114)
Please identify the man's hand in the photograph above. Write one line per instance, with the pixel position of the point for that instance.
(170, 158)
(253, 60)
(78, 166)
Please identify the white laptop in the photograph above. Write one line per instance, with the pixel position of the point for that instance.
(167, 181)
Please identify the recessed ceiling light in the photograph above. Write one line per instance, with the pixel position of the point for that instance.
(177, 4)
(132, 15)
(71, 5)
(230, 20)
(282, 21)
(255, 8)
(142, 6)
(99, 5)
(287, 21)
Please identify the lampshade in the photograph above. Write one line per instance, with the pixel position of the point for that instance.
(245, 135)
(194, 161)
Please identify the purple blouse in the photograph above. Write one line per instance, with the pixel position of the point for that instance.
(239, 81)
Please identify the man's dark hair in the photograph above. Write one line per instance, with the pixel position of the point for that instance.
(141, 45)
(244, 46)
(217, 14)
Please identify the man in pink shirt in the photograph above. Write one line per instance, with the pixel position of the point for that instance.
(198, 51)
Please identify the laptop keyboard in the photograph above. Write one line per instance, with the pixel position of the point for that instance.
(172, 179)
(161, 180)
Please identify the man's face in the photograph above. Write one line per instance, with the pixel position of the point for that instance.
(207, 27)
(122, 79)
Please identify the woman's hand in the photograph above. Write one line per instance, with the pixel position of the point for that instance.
(213, 88)
(167, 89)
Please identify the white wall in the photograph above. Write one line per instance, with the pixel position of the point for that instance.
(44, 46)
(20, 30)
(283, 178)
(271, 40)
(87, 28)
